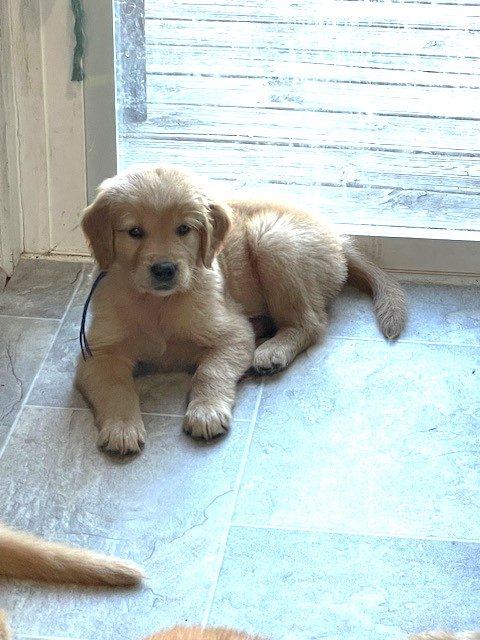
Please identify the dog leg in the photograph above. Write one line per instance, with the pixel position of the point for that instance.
(107, 383)
(276, 354)
(293, 336)
(295, 290)
(209, 411)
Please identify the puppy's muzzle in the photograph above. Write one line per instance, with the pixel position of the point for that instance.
(163, 274)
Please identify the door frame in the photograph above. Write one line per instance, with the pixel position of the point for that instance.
(61, 143)
(42, 122)
(415, 254)
(11, 232)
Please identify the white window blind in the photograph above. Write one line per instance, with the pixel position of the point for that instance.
(366, 111)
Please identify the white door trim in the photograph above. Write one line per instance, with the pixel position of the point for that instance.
(42, 114)
(11, 231)
(427, 259)
(65, 132)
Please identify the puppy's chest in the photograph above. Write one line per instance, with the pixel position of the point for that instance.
(157, 323)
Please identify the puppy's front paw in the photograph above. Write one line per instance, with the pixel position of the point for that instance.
(118, 436)
(204, 421)
(268, 360)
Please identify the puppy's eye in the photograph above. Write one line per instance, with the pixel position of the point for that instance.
(182, 230)
(136, 232)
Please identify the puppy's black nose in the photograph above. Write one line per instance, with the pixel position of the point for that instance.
(163, 271)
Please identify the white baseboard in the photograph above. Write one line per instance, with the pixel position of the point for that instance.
(59, 257)
(458, 279)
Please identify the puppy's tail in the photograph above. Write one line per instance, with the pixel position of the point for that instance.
(27, 557)
(4, 628)
(388, 296)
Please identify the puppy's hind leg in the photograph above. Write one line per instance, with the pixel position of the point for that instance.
(299, 268)
(294, 335)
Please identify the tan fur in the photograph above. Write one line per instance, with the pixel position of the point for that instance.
(4, 628)
(198, 633)
(275, 262)
(25, 556)
(223, 633)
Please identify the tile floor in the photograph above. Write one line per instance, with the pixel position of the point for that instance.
(344, 503)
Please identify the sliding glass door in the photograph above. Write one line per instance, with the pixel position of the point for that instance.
(367, 112)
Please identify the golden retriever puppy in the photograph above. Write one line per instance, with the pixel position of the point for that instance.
(185, 272)
(199, 633)
(176, 633)
(223, 633)
(27, 557)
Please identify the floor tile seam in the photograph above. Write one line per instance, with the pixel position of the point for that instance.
(21, 636)
(182, 415)
(332, 336)
(435, 343)
(229, 519)
(28, 405)
(44, 359)
(347, 532)
(37, 318)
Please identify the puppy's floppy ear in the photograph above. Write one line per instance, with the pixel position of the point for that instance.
(214, 232)
(97, 226)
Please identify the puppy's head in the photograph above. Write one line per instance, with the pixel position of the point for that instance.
(158, 225)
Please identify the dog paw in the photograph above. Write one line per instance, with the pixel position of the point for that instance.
(268, 360)
(124, 438)
(204, 421)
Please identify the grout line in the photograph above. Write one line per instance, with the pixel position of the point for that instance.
(144, 413)
(236, 491)
(182, 415)
(363, 534)
(332, 336)
(162, 415)
(47, 406)
(23, 636)
(436, 343)
(6, 315)
(54, 337)
(402, 341)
